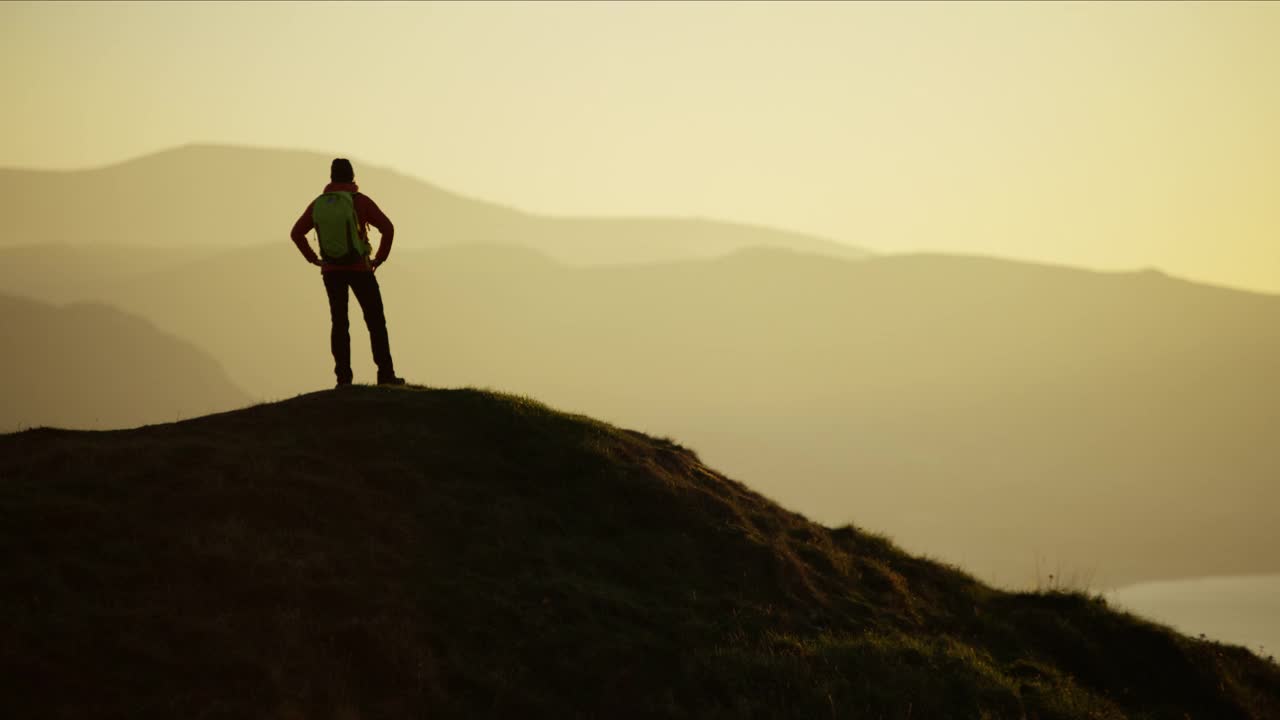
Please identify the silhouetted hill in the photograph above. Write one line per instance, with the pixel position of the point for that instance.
(91, 366)
(409, 553)
(219, 197)
(1114, 427)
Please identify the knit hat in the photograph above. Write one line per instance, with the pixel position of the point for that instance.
(341, 171)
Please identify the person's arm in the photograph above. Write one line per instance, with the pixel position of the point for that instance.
(371, 213)
(299, 236)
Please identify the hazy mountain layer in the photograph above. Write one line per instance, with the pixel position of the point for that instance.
(398, 553)
(1102, 428)
(221, 197)
(62, 273)
(91, 366)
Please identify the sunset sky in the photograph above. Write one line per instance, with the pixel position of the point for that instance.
(1110, 136)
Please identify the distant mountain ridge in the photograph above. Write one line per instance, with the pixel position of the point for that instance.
(221, 196)
(89, 366)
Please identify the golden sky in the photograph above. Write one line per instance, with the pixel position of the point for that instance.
(1105, 135)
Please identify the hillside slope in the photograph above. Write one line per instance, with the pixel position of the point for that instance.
(1117, 426)
(381, 553)
(91, 366)
(166, 200)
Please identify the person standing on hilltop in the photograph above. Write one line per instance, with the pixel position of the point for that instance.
(341, 217)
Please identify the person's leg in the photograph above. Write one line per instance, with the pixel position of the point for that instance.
(335, 286)
(365, 286)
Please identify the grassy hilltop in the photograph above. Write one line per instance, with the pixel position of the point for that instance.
(388, 553)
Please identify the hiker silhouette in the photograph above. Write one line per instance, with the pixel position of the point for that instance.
(341, 216)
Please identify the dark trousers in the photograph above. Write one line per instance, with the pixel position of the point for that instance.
(365, 287)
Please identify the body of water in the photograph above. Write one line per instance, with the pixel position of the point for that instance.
(1238, 610)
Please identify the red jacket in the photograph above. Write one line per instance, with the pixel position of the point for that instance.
(367, 213)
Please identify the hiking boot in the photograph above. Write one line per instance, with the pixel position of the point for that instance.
(390, 380)
(342, 384)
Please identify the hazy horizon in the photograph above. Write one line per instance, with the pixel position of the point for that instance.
(617, 217)
(1104, 136)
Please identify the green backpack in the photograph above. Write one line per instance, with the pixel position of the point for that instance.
(334, 214)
